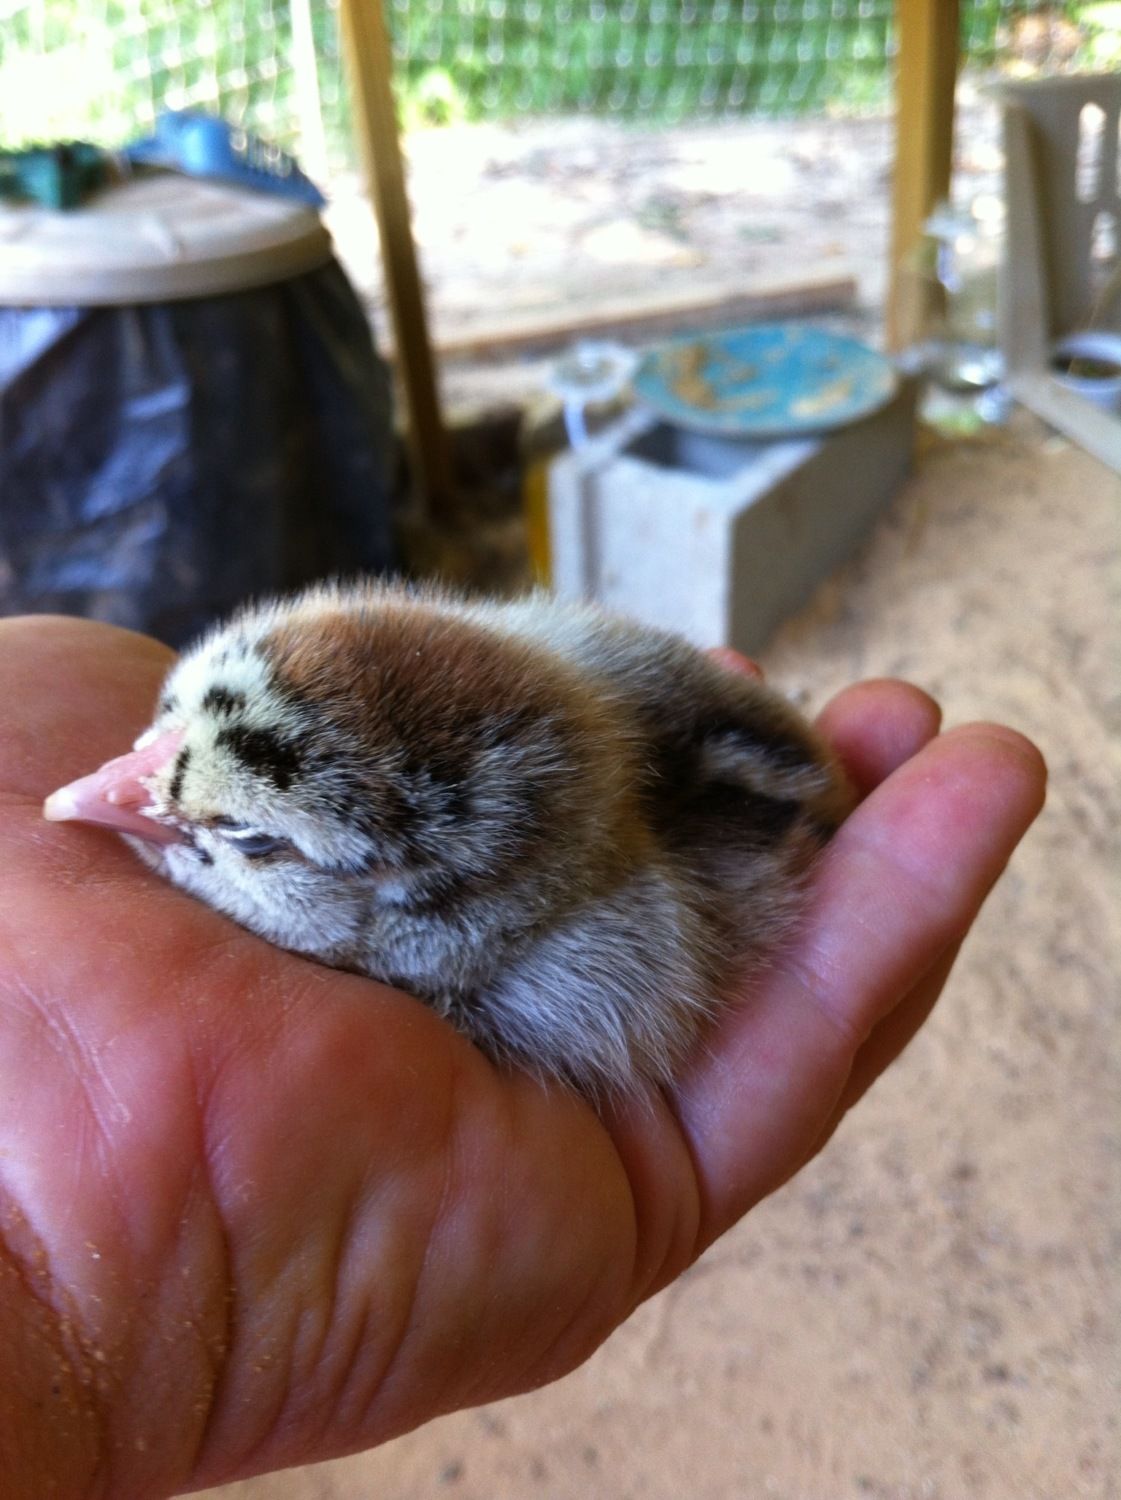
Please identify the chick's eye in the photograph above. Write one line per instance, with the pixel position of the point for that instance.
(251, 842)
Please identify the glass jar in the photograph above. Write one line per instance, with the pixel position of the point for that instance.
(966, 247)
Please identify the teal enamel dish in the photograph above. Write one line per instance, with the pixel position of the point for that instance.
(772, 380)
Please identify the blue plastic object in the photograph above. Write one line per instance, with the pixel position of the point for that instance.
(772, 380)
(57, 176)
(205, 146)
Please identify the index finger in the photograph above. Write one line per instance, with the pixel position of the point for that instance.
(901, 882)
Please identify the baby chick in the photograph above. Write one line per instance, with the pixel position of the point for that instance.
(569, 834)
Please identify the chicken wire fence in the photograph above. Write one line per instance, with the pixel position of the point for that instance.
(102, 69)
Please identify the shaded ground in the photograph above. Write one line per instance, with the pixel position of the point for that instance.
(930, 1312)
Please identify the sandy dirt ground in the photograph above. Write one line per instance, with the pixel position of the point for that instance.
(932, 1310)
(564, 216)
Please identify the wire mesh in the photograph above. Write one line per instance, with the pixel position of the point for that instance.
(646, 59)
(101, 69)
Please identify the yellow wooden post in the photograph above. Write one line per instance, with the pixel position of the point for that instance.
(929, 43)
(369, 67)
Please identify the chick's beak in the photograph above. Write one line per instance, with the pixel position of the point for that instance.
(115, 796)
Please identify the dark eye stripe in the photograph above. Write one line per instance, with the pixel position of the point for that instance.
(222, 700)
(182, 760)
(263, 751)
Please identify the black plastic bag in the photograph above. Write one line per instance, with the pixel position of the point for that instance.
(161, 463)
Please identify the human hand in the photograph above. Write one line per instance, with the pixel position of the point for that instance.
(254, 1212)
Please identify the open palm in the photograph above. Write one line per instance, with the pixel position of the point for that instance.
(254, 1212)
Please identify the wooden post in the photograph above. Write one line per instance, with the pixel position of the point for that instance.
(369, 67)
(929, 43)
(1024, 303)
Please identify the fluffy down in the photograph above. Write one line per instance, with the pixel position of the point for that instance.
(567, 833)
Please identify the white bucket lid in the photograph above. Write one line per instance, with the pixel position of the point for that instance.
(157, 238)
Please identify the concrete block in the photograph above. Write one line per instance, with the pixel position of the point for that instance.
(715, 538)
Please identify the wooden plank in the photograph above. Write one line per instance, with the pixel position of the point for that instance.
(369, 68)
(650, 316)
(929, 43)
(1024, 304)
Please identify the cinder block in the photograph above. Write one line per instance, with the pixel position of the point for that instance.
(714, 538)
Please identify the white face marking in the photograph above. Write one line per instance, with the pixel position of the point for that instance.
(275, 892)
(242, 671)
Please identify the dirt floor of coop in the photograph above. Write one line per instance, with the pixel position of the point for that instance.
(930, 1311)
(561, 218)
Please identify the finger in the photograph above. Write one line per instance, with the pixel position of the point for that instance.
(910, 868)
(900, 883)
(887, 1040)
(875, 726)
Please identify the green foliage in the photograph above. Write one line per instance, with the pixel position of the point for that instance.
(648, 59)
(433, 98)
(102, 68)
(1102, 24)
